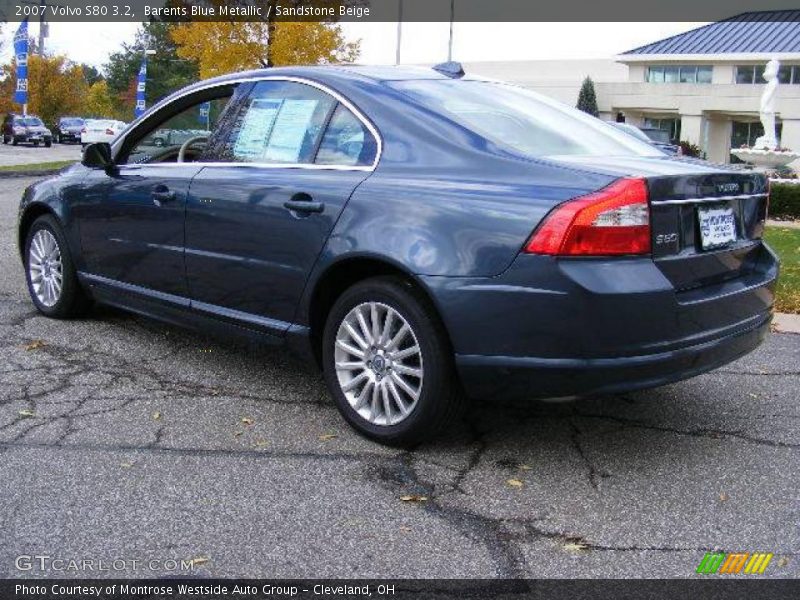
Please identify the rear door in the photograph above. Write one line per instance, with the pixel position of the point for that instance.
(256, 224)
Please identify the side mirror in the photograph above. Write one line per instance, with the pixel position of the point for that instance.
(97, 156)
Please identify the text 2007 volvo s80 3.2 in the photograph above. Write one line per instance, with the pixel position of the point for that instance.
(422, 235)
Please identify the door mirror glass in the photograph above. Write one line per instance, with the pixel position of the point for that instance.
(97, 156)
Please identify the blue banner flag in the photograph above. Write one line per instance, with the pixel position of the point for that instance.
(21, 53)
(141, 104)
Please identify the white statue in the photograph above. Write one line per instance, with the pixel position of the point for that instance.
(769, 141)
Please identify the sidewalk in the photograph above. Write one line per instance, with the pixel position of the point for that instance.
(786, 323)
(789, 224)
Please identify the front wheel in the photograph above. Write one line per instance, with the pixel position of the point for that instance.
(388, 364)
(52, 279)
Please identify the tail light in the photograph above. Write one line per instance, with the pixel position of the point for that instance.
(611, 221)
(83, 130)
(109, 132)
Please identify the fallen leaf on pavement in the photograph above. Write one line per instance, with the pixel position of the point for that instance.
(723, 497)
(27, 413)
(126, 465)
(237, 433)
(261, 444)
(783, 561)
(575, 546)
(328, 436)
(515, 483)
(247, 421)
(405, 529)
(200, 560)
(156, 416)
(413, 498)
(35, 345)
(525, 467)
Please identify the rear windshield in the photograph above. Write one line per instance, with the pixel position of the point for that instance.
(71, 122)
(525, 121)
(658, 135)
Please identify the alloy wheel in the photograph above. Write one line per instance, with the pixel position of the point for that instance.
(45, 268)
(379, 363)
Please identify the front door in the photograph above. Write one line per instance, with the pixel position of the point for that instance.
(132, 225)
(255, 229)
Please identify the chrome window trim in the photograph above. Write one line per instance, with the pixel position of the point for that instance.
(709, 199)
(311, 166)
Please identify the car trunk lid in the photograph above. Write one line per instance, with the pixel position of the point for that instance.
(707, 220)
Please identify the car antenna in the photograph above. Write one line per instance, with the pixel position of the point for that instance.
(451, 69)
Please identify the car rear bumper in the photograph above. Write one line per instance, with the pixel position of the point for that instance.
(550, 327)
(530, 377)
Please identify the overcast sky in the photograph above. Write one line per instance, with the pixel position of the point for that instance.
(422, 42)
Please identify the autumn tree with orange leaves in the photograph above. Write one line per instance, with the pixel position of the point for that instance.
(223, 47)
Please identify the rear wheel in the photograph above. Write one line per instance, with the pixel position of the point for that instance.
(387, 363)
(50, 272)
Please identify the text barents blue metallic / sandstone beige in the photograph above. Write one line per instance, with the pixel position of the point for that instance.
(421, 235)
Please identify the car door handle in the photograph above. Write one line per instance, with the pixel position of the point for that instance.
(302, 203)
(162, 195)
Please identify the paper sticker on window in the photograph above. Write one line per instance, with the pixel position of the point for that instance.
(289, 132)
(255, 130)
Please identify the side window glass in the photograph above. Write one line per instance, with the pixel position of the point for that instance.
(195, 125)
(281, 123)
(347, 141)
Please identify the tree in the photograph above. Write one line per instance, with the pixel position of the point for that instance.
(221, 47)
(166, 71)
(91, 74)
(56, 87)
(99, 102)
(587, 100)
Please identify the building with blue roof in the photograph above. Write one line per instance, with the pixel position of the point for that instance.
(702, 86)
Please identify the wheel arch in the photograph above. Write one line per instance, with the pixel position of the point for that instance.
(32, 212)
(343, 274)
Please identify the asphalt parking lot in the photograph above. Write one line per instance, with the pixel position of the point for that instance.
(124, 438)
(27, 154)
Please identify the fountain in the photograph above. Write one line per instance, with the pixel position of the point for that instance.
(765, 153)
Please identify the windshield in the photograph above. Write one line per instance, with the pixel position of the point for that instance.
(30, 121)
(523, 120)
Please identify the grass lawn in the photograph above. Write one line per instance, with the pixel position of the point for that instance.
(35, 168)
(786, 242)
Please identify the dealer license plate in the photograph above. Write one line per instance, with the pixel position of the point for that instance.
(717, 226)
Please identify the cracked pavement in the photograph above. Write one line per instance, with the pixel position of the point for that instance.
(121, 437)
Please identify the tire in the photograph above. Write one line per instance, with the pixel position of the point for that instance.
(35, 144)
(71, 301)
(438, 393)
(5, 140)
(14, 142)
(48, 144)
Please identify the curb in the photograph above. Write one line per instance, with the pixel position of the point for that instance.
(786, 323)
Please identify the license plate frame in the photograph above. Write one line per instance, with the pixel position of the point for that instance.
(717, 226)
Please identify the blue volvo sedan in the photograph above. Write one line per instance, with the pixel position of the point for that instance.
(421, 235)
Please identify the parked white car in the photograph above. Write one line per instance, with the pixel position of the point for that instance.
(101, 130)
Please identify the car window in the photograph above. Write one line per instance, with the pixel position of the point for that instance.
(281, 123)
(162, 141)
(347, 141)
(524, 121)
